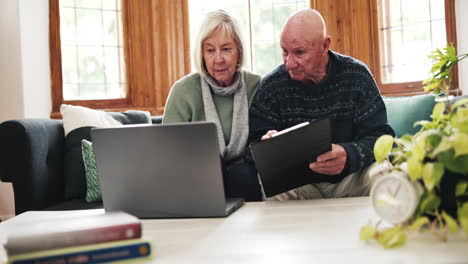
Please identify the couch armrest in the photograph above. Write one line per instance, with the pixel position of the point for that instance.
(31, 158)
(156, 119)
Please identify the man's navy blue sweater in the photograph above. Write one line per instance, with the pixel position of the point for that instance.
(348, 95)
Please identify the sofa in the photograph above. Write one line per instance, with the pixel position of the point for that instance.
(33, 158)
(32, 153)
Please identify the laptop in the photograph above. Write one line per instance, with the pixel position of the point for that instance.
(162, 171)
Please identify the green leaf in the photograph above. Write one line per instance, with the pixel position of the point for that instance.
(460, 119)
(392, 237)
(428, 202)
(424, 124)
(444, 145)
(463, 210)
(432, 174)
(418, 150)
(433, 138)
(455, 164)
(438, 111)
(415, 168)
(382, 147)
(451, 223)
(460, 102)
(367, 232)
(461, 188)
(418, 223)
(460, 144)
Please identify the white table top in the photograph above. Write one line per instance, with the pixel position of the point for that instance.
(312, 231)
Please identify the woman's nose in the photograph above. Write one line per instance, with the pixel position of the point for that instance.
(218, 57)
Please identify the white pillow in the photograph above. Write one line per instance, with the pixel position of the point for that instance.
(78, 116)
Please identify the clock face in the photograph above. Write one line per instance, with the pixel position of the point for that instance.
(394, 197)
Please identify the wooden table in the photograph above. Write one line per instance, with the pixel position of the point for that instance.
(313, 231)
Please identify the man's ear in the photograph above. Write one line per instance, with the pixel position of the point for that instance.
(326, 44)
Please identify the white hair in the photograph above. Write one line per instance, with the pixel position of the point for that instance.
(214, 20)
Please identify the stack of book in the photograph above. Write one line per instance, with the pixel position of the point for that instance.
(80, 236)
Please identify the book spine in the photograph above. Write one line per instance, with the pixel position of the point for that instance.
(113, 253)
(77, 238)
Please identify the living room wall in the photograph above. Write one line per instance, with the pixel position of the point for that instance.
(462, 39)
(24, 59)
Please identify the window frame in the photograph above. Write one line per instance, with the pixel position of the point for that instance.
(414, 87)
(146, 87)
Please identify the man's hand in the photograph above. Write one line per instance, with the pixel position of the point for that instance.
(331, 162)
(269, 134)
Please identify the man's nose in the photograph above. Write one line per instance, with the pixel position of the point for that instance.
(289, 62)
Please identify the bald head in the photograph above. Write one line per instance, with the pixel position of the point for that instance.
(306, 22)
(305, 46)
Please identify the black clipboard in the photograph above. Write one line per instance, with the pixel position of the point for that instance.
(283, 161)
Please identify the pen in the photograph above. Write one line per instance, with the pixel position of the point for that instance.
(284, 131)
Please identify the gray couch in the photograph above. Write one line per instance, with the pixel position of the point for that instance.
(32, 158)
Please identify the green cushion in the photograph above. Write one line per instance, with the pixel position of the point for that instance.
(93, 188)
(403, 112)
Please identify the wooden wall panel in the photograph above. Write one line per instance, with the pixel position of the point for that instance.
(139, 52)
(171, 41)
(55, 56)
(349, 25)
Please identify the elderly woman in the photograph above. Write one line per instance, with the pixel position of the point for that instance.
(220, 92)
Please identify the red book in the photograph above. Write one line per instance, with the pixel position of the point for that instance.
(43, 230)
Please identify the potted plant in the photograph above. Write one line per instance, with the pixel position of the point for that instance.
(435, 158)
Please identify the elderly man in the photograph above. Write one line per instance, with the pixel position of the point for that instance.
(313, 83)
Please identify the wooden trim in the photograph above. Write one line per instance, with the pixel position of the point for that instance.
(313, 4)
(375, 45)
(55, 55)
(404, 87)
(139, 52)
(450, 25)
(171, 41)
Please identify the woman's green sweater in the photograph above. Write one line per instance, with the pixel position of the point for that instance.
(185, 103)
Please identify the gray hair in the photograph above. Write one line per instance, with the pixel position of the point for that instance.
(218, 19)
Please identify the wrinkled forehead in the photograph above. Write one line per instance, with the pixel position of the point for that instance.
(298, 38)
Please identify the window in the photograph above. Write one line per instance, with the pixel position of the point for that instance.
(92, 49)
(408, 32)
(117, 55)
(262, 21)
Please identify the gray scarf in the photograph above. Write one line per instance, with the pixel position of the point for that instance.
(240, 121)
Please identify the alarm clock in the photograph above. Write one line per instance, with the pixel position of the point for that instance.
(395, 197)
